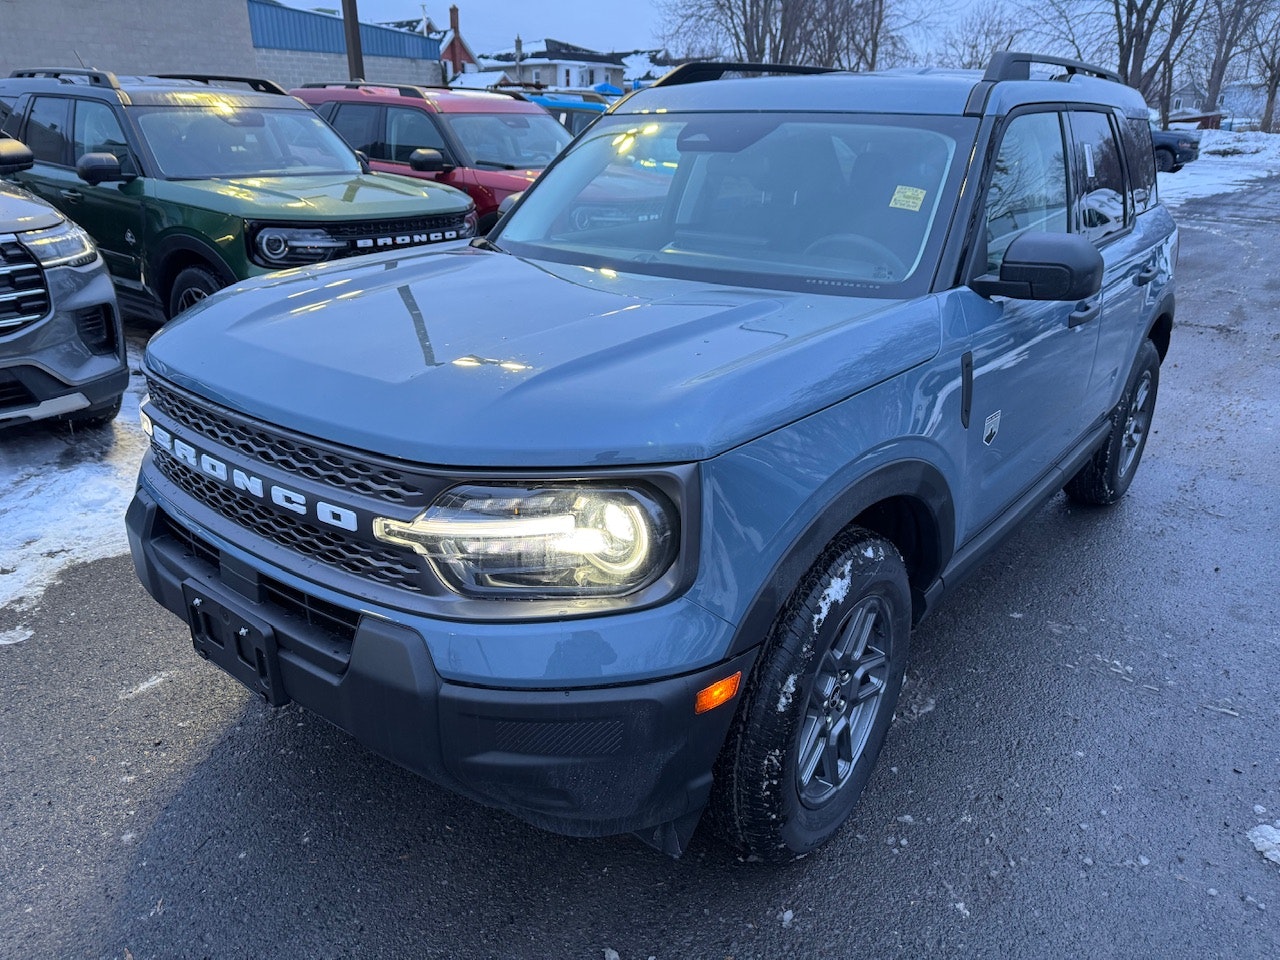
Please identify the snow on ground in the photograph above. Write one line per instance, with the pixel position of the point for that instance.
(1228, 161)
(63, 494)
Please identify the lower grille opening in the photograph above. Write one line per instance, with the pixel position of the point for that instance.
(97, 328)
(317, 614)
(13, 392)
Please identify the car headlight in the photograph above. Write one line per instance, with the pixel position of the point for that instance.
(292, 246)
(65, 245)
(470, 225)
(543, 540)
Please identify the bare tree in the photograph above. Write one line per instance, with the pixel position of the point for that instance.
(1226, 32)
(1266, 50)
(991, 26)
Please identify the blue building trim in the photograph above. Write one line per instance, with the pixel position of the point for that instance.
(277, 27)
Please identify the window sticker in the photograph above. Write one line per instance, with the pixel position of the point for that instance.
(1088, 161)
(907, 198)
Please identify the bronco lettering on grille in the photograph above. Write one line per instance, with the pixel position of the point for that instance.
(237, 479)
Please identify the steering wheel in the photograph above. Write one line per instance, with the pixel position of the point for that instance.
(855, 246)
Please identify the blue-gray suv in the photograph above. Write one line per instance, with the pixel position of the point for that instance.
(626, 512)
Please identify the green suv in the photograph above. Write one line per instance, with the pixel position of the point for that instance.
(190, 183)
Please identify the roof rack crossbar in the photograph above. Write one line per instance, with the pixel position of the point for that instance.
(257, 84)
(404, 89)
(699, 71)
(1006, 65)
(97, 78)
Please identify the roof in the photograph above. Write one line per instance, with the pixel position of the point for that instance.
(435, 99)
(150, 90)
(944, 92)
(545, 50)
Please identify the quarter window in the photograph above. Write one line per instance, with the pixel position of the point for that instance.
(47, 129)
(1102, 203)
(1028, 191)
(1136, 132)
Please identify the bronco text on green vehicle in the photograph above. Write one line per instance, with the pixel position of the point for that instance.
(625, 512)
(190, 183)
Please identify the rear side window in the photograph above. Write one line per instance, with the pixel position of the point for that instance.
(47, 129)
(6, 108)
(1028, 191)
(358, 125)
(1104, 210)
(1136, 133)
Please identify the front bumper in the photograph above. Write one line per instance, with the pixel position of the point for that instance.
(583, 761)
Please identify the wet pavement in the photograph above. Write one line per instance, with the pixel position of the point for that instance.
(1090, 729)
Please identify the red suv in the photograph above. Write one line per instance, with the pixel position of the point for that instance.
(490, 145)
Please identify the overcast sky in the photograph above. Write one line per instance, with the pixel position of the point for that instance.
(489, 25)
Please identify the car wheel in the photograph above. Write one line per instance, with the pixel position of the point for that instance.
(1106, 476)
(190, 286)
(819, 704)
(1164, 161)
(98, 416)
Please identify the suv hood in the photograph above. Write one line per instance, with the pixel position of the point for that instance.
(20, 210)
(474, 359)
(318, 197)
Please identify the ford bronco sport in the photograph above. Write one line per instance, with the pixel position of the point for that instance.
(628, 509)
(191, 183)
(62, 351)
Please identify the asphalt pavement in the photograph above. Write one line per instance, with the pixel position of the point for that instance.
(1090, 728)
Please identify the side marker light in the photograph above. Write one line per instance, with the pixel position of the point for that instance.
(722, 691)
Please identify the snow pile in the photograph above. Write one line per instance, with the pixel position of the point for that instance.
(1266, 840)
(65, 494)
(1228, 161)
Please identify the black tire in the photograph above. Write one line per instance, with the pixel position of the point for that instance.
(99, 416)
(1106, 476)
(1165, 161)
(787, 780)
(190, 286)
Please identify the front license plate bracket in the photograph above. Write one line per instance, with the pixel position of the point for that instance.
(239, 643)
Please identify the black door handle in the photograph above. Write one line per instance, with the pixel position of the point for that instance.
(1084, 312)
(75, 196)
(1146, 276)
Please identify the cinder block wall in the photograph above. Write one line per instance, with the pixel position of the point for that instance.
(292, 68)
(152, 36)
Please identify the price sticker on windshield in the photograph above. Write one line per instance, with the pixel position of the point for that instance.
(907, 198)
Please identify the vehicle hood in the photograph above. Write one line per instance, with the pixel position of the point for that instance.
(475, 359)
(327, 197)
(20, 210)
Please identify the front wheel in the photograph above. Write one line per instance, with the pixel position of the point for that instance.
(1106, 476)
(190, 286)
(1164, 161)
(819, 704)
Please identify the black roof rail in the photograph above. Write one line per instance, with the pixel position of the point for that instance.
(404, 89)
(1005, 65)
(698, 71)
(97, 78)
(256, 84)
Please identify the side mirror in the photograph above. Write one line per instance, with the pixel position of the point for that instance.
(1045, 266)
(509, 201)
(96, 168)
(15, 156)
(428, 160)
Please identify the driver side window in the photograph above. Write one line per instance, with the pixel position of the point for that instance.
(97, 130)
(1028, 190)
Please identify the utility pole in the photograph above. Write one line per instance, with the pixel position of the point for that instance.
(351, 29)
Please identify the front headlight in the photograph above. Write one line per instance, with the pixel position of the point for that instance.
(65, 245)
(280, 247)
(544, 540)
(470, 224)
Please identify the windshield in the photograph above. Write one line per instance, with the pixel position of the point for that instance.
(509, 141)
(846, 204)
(197, 142)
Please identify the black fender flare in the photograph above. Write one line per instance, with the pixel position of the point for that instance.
(174, 246)
(917, 480)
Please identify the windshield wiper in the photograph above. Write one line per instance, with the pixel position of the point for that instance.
(484, 243)
(497, 163)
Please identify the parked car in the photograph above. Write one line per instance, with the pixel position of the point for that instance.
(188, 184)
(1174, 149)
(62, 351)
(489, 145)
(573, 111)
(608, 520)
